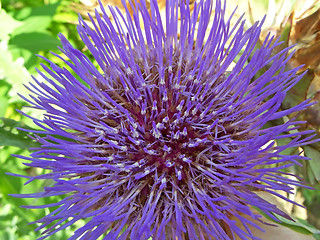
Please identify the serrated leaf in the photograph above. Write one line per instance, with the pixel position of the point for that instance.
(13, 71)
(9, 136)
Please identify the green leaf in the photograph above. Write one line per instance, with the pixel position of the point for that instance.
(294, 225)
(308, 174)
(314, 161)
(9, 184)
(297, 226)
(285, 141)
(285, 32)
(35, 41)
(298, 93)
(9, 136)
(30, 59)
(35, 19)
(4, 99)
(5, 21)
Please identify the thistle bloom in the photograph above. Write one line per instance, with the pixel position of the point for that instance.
(166, 136)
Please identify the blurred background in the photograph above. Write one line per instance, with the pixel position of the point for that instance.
(30, 27)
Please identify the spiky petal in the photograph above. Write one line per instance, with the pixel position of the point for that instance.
(166, 138)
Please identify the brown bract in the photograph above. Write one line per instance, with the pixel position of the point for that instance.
(306, 34)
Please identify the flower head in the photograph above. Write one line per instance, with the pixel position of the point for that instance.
(167, 138)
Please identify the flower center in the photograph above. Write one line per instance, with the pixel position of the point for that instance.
(159, 123)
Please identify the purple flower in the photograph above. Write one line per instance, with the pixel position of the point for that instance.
(167, 138)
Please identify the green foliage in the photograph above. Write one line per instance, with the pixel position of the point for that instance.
(5, 21)
(294, 224)
(297, 226)
(34, 41)
(13, 73)
(10, 136)
(35, 19)
(314, 161)
(27, 27)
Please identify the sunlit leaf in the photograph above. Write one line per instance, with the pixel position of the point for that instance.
(5, 21)
(12, 71)
(4, 99)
